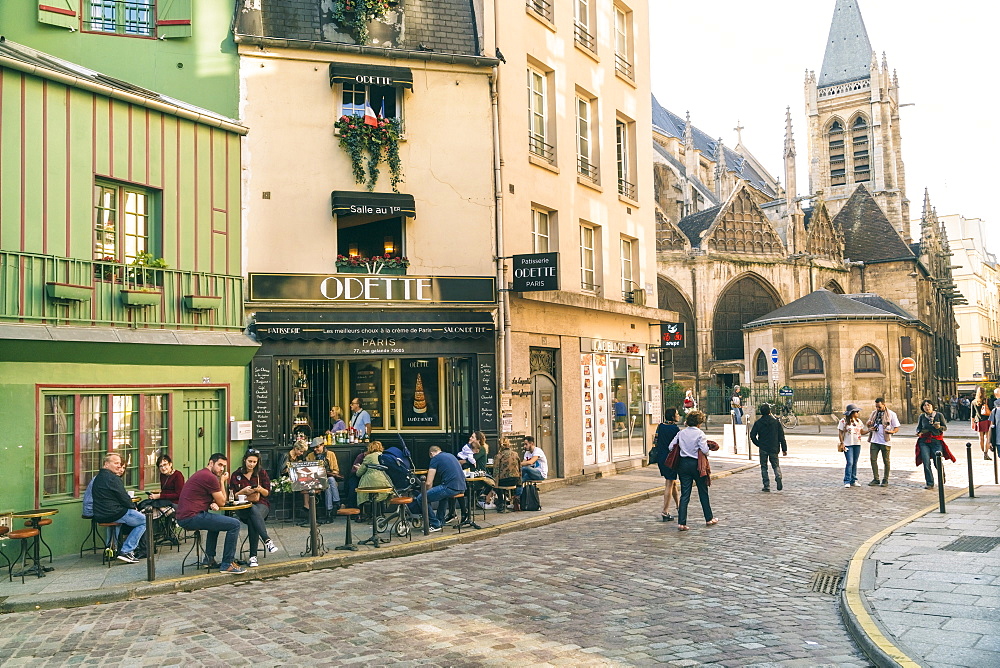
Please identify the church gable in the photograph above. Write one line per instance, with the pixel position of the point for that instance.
(741, 227)
(824, 239)
(668, 236)
(868, 234)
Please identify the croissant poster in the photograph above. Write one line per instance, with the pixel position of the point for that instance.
(419, 393)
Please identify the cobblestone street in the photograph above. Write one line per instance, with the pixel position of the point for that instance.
(613, 588)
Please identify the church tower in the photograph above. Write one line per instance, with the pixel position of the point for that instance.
(853, 114)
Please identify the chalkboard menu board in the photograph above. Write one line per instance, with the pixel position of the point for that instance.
(366, 385)
(486, 367)
(261, 398)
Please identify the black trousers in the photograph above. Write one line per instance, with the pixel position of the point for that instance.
(772, 458)
(688, 473)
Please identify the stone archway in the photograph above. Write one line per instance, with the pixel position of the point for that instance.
(834, 286)
(670, 298)
(745, 299)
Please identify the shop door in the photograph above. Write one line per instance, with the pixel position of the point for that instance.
(460, 402)
(544, 415)
(204, 430)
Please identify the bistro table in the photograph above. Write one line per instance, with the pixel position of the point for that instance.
(34, 518)
(469, 507)
(374, 541)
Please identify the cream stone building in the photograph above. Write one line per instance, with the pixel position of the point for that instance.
(977, 277)
(577, 181)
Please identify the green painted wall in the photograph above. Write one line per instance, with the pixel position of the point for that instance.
(21, 413)
(202, 69)
(55, 140)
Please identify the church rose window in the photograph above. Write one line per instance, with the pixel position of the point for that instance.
(745, 300)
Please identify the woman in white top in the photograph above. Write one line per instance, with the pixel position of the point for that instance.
(850, 430)
(692, 441)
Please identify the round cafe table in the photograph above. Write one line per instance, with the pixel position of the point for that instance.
(33, 516)
(374, 541)
(469, 510)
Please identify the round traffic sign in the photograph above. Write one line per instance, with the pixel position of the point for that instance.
(774, 355)
(907, 365)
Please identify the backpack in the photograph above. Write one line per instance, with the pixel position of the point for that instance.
(529, 498)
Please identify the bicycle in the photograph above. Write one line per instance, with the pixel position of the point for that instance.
(787, 417)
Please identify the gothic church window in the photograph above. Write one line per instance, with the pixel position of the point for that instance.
(838, 164)
(745, 300)
(867, 361)
(807, 361)
(760, 365)
(859, 146)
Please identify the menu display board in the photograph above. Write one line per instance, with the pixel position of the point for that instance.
(602, 426)
(487, 392)
(587, 393)
(366, 385)
(420, 392)
(261, 402)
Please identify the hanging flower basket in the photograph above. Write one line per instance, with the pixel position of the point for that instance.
(355, 15)
(370, 142)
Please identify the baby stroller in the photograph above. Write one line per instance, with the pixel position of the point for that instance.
(399, 467)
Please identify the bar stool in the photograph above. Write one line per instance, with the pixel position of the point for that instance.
(92, 537)
(196, 547)
(3, 537)
(27, 538)
(504, 492)
(461, 520)
(348, 541)
(111, 541)
(401, 527)
(41, 522)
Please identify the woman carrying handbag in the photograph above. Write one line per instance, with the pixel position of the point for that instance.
(689, 457)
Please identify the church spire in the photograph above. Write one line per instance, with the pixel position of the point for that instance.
(720, 169)
(790, 186)
(848, 50)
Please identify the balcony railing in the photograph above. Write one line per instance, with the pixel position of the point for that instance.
(624, 67)
(584, 38)
(537, 146)
(586, 169)
(626, 189)
(45, 289)
(541, 7)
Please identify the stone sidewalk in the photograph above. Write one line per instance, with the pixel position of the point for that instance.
(926, 592)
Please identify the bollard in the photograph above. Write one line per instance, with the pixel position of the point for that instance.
(968, 454)
(732, 420)
(995, 480)
(749, 445)
(150, 546)
(819, 425)
(423, 507)
(939, 463)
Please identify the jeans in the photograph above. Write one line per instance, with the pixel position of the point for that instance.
(771, 457)
(213, 524)
(332, 494)
(876, 449)
(851, 453)
(927, 453)
(529, 473)
(136, 520)
(738, 415)
(254, 517)
(438, 494)
(688, 473)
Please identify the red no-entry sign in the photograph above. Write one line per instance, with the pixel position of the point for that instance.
(908, 365)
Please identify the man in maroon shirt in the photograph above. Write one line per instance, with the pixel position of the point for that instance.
(202, 493)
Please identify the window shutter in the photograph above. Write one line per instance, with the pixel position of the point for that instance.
(63, 13)
(173, 18)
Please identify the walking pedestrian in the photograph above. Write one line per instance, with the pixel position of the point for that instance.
(930, 440)
(850, 430)
(882, 424)
(692, 467)
(995, 422)
(980, 419)
(665, 433)
(736, 402)
(769, 437)
(690, 403)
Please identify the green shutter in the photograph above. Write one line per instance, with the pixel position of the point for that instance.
(63, 13)
(173, 18)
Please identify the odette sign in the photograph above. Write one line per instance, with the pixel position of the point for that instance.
(537, 271)
(907, 365)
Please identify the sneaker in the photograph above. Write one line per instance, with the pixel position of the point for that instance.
(128, 557)
(450, 518)
(856, 484)
(253, 562)
(209, 563)
(233, 570)
(928, 486)
(874, 483)
(433, 529)
(885, 483)
(270, 546)
(778, 483)
(487, 506)
(847, 486)
(766, 489)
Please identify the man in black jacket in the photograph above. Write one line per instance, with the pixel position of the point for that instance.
(769, 437)
(113, 504)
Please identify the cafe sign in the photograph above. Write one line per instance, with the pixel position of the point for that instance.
(604, 346)
(372, 288)
(536, 271)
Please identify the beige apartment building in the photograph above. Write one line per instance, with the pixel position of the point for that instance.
(576, 180)
(977, 278)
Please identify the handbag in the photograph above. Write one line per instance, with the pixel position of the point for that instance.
(674, 458)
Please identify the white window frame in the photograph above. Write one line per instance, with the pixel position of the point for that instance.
(588, 258)
(581, 13)
(541, 231)
(538, 114)
(627, 248)
(344, 88)
(584, 138)
(623, 43)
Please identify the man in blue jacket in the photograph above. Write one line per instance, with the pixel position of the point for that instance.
(113, 504)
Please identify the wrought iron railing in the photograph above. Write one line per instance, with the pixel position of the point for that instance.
(626, 189)
(45, 289)
(541, 7)
(538, 146)
(585, 168)
(624, 67)
(584, 38)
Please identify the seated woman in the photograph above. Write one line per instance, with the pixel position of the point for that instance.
(372, 474)
(506, 472)
(171, 480)
(251, 480)
(163, 502)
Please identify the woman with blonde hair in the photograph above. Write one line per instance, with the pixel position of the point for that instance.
(373, 474)
(980, 417)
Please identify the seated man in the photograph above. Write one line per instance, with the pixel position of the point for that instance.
(444, 468)
(332, 492)
(113, 504)
(534, 466)
(202, 493)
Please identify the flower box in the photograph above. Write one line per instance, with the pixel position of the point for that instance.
(390, 271)
(138, 298)
(202, 302)
(69, 292)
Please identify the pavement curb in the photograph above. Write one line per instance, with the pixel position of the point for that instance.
(333, 560)
(861, 625)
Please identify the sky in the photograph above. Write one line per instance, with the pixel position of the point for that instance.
(729, 61)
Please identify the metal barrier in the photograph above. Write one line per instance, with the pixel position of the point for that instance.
(968, 459)
(939, 463)
(150, 545)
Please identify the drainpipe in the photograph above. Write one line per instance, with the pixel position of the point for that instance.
(503, 310)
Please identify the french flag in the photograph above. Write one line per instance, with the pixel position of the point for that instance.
(370, 118)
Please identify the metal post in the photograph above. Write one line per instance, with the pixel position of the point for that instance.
(819, 425)
(150, 546)
(968, 459)
(749, 445)
(423, 506)
(313, 529)
(732, 420)
(939, 462)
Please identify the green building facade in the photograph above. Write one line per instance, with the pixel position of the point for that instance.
(179, 48)
(121, 296)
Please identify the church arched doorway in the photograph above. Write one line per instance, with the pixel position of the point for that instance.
(671, 299)
(746, 299)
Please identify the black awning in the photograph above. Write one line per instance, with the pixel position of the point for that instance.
(370, 75)
(372, 324)
(359, 203)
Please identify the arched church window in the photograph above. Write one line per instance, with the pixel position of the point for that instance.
(807, 361)
(743, 301)
(760, 365)
(671, 299)
(859, 146)
(867, 361)
(838, 164)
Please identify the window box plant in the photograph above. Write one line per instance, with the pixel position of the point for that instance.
(202, 302)
(141, 298)
(69, 292)
(145, 270)
(386, 265)
(378, 138)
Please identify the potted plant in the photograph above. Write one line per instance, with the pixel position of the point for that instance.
(377, 264)
(106, 268)
(378, 138)
(355, 15)
(145, 269)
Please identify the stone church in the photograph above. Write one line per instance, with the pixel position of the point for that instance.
(830, 278)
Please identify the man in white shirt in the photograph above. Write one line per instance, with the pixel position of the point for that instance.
(882, 424)
(534, 465)
(360, 419)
